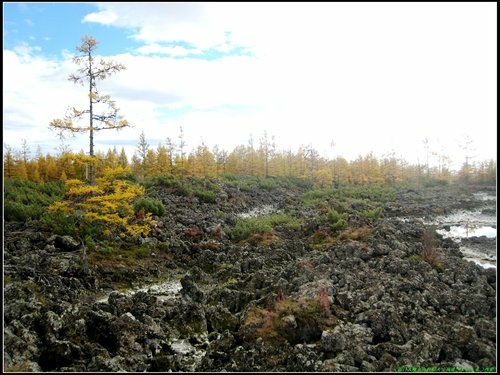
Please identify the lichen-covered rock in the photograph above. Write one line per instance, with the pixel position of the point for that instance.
(368, 304)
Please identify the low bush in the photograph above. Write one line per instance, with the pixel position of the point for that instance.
(434, 182)
(429, 250)
(249, 183)
(294, 320)
(149, 205)
(61, 223)
(321, 237)
(360, 234)
(247, 227)
(317, 196)
(27, 200)
(206, 196)
(169, 181)
(372, 193)
(373, 214)
(337, 220)
(204, 189)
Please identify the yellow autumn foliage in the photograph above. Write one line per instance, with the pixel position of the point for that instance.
(61, 206)
(109, 203)
(79, 191)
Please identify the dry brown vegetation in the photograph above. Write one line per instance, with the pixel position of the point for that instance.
(297, 320)
(429, 251)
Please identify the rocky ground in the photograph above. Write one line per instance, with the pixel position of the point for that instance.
(367, 302)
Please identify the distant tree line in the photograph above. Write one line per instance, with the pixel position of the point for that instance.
(253, 159)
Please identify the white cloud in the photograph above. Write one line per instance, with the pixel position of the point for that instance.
(35, 91)
(375, 77)
(105, 17)
(155, 48)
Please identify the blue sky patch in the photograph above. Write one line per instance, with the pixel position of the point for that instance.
(58, 26)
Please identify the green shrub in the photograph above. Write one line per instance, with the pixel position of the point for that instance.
(247, 227)
(316, 196)
(372, 193)
(72, 225)
(371, 214)
(16, 211)
(61, 223)
(207, 196)
(269, 183)
(249, 183)
(304, 183)
(90, 243)
(149, 205)
(434, 182)
(337, 220)
(27, 200)
(204, 189)
(340, 207)
(169, 181)
(333, 216)
(339, 225)
(105, 250)
(140, 252)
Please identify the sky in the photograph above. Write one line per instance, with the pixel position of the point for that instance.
(345, 78)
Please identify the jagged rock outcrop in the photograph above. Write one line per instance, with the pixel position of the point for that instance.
(384, 307)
